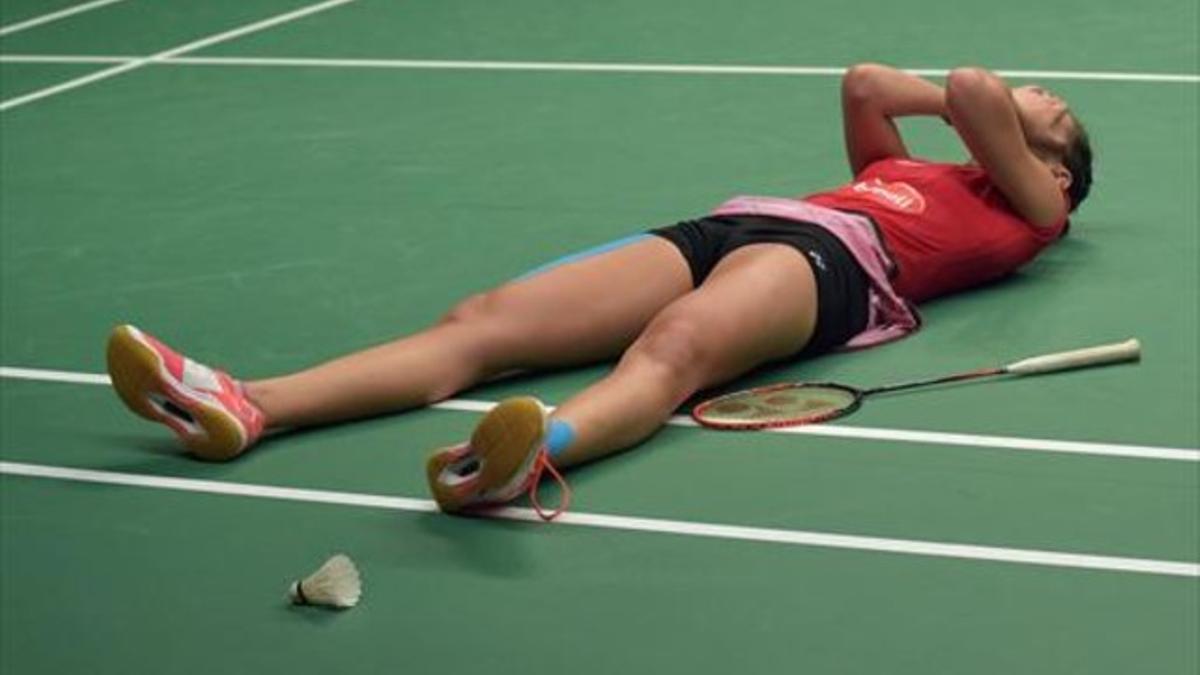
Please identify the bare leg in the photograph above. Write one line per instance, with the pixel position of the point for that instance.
(759, 304)
(581, 312)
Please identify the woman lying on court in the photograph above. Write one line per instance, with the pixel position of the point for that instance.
(685, 307)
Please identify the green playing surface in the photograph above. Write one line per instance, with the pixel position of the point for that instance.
(265, 216)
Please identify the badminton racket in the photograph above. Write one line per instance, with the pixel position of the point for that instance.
(793, 404)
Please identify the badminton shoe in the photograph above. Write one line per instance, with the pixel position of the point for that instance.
(206, 408)
(504, 459)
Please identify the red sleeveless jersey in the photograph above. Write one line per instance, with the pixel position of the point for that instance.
(946, 226)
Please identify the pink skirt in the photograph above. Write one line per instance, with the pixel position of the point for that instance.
(890, 317)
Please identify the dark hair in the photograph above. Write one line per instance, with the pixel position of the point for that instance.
(1077, 158)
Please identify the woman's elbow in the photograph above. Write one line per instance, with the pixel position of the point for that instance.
(859, 80)
(969, 84)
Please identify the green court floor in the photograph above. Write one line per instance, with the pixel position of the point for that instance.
(278, 196)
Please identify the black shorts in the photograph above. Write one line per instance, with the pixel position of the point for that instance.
(842, 286)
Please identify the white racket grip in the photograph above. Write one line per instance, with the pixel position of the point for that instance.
(1129, 350)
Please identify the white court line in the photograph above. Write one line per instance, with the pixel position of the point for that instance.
(53, 16)
(63, 58)
(652, 525)
(582, 67)
(166, 54)
(40, 375)
(866, 433)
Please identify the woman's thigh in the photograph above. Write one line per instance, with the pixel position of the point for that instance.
(758, 305)
(580, 311)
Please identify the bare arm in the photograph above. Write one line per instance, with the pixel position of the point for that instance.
(981, 107)
(872, 95)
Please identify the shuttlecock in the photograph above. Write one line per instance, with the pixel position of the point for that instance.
(335, 584)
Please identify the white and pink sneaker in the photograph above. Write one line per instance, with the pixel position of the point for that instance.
(206, 408)
(504, 459)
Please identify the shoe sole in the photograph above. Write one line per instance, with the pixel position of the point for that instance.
(139, 375)
(503, 441)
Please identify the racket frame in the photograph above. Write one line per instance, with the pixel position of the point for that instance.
(1129, 350)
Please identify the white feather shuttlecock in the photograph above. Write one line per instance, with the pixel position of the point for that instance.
(335, 584)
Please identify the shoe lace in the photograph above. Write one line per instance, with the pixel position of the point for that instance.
(543, 465)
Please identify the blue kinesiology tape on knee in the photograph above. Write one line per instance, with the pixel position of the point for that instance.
(560, 436)
(583, 255)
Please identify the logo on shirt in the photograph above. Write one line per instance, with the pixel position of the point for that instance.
(897, 196)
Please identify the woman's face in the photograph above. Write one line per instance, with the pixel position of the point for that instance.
(1045, 118)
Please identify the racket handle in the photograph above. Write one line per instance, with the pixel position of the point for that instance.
(1129, 350)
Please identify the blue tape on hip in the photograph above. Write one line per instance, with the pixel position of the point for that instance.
(575, 257)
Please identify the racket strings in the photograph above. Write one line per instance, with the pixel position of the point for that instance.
(776, 406)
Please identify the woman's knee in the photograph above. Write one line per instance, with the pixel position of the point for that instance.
(679, 346)
(476, 309)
